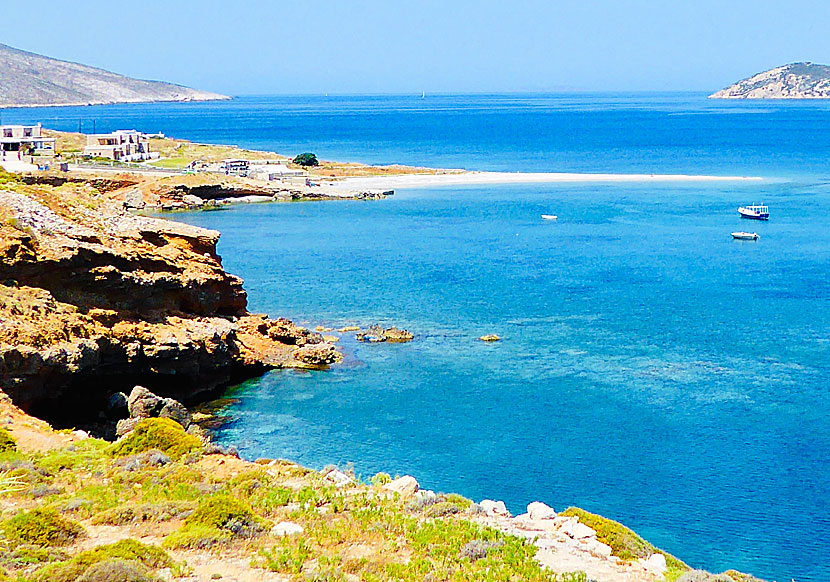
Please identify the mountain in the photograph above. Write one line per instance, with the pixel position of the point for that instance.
(28, 79)
(795, 81)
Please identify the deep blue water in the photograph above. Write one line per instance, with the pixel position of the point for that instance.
(652, 370)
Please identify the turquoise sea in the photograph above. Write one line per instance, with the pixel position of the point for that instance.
(652, 369)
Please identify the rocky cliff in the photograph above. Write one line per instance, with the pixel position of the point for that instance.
(794, 81)
(29, 79)
(94, 300)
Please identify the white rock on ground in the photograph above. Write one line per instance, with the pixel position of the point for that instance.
(494, 507)
(582, 531)
(406, 486)
(538, 510)
(286, 528)
(339, 478)
(655, 563)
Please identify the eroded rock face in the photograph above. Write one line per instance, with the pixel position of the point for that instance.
(94, 301)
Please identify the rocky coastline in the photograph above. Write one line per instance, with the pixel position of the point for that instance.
(113, 323)
(94, 300)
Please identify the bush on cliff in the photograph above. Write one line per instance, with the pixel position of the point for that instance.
(218, 518)
(42, 527)
(134, 560)
(624, 542)
(161, 434)
(7, 442)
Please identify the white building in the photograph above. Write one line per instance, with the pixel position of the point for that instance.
(122, 145)
(16, 140)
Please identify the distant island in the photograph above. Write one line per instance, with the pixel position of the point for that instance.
(29, 80)
(794, 81)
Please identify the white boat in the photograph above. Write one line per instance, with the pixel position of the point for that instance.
(756, 212)
(746, 235)
(549, 217)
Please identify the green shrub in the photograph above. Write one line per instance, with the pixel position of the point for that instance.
(117, 571)
(381, 479)
(217, 519)
(162, 434)
(7, 442)
(624, 542)
(140, 556)
(286, 558)
(42, 527)
(306, 159)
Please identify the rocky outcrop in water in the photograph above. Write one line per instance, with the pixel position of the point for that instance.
(377, 334)
(94, 301)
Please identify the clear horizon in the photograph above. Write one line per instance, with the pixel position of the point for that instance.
(369, 48)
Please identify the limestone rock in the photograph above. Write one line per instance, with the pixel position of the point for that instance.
(654, 563)
(538, 510)
(318, 355)
(192, 200)
(134, 199)
(349, 328)
(406, 486)
(377, 334)
(582, 531)
(494, 507)
(286, 528)
(339, 478)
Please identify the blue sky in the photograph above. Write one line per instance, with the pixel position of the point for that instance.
(373, 46)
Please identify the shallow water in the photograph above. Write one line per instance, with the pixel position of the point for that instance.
(652, 370)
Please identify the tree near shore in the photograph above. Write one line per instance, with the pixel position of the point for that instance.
(306, 159)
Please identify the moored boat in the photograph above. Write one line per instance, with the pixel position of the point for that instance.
(746, 235)
(755, 212)
(549, 217)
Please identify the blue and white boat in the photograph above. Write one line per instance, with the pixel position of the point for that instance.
(756, 212)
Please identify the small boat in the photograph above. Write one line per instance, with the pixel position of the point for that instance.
(549, 217)
(756, 212)
(746, 235)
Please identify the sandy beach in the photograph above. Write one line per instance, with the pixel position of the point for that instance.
(475, 178)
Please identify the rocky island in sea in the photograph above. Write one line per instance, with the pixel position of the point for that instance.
(793, 81)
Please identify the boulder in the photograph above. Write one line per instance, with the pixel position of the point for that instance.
(143, 404)
(406, 486)
(655, 563)
(125, 425)
(598, 549)
(192, 200)
(494, 507)
(538, 510)
(174, 410)
(117, 406)
(134, 199)
(286, 528)
(339, 478)
(581, 531)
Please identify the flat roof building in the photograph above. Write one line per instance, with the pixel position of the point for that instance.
(25, 139)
